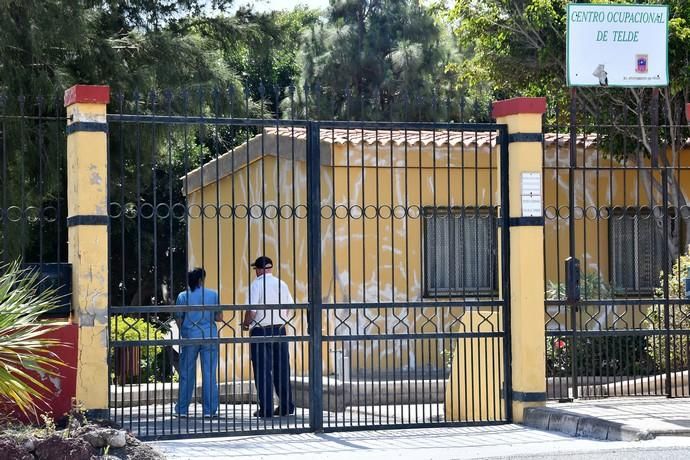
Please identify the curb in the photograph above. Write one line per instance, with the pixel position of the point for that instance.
(577, 425)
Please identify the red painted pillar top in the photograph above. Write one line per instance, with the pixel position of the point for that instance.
(518, 105)
(91, 94)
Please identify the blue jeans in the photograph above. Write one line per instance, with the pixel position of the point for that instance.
(209, 386)
(271, 363)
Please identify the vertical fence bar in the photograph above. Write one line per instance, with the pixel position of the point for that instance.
(571, 230)
(314, 251)
(504, 163)
(654, 141)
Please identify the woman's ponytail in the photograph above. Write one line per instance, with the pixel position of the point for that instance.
(195, 277)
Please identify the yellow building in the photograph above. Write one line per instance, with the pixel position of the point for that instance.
(380, 193)
(387, 236)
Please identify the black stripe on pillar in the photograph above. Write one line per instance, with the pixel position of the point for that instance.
(535, 221)
(87, 126)
(73, 221)
(526, 396)
(525, 137)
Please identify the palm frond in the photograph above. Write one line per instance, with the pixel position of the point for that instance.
(25, 351)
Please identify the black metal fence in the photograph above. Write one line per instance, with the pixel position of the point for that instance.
(385, 234)
(33, 207)
(615, 188)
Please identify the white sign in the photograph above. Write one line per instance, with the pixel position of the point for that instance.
(617, 45)
(530, 192)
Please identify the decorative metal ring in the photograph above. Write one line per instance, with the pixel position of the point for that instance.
(146, 210)
(194, 211)
(179, 211)
(161, 215)
(289, 209)
(271, 211)
(49, 214)
(388, 211)
(658, 212)
(225, 206)
(304, 209)
(115, 210)
(130, 210)
(414, 211)
(617, 212)
(327, 215)
(369, 215)
(399, 212)
(241, 211)
(563, 212)
(32, 213)
(550, 213)
(604, 212)
(341, 215)
(13, 211)
(210, 215)
(356, 211)
(259, 211)
(591, 213)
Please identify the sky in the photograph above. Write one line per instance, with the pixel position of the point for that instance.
(269, 5)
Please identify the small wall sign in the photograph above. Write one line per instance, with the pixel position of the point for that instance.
(530, 192)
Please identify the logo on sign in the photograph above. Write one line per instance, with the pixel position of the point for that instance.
(641, 63)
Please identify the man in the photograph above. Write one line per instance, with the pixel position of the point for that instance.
(270, 360)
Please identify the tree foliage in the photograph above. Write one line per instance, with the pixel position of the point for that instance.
(520, 47)
(141, 48)
(366, 54)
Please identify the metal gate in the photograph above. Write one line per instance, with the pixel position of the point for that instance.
(619, 208)
(385, 233)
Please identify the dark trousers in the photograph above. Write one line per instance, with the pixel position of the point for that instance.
(271, 364)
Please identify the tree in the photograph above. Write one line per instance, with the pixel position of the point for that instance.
(519, 46)
(366, 54)
(135, 47)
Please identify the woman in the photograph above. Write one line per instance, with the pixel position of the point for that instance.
(197, 323)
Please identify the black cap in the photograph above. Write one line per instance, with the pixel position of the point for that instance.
(263, 262)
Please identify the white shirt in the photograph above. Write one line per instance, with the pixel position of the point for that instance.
(269, 290)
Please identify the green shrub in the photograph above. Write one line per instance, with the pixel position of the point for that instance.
(152, 361)
(619, 355)
(615, 355)
(592, 287)
(679, 318)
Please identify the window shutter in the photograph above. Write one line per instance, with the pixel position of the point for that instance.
(634, 248)
(645, 252)
(623, 251)
(459, 251)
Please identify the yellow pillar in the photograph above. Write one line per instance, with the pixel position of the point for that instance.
(473, 391)
(523, 116)
(87, 219)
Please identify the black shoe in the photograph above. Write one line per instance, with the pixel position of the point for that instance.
(280, 411)
(260, 415)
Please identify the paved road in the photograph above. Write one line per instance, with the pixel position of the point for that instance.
(505, 441)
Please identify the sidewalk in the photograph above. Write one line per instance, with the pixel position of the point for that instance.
(615, 419)
(503, 441)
